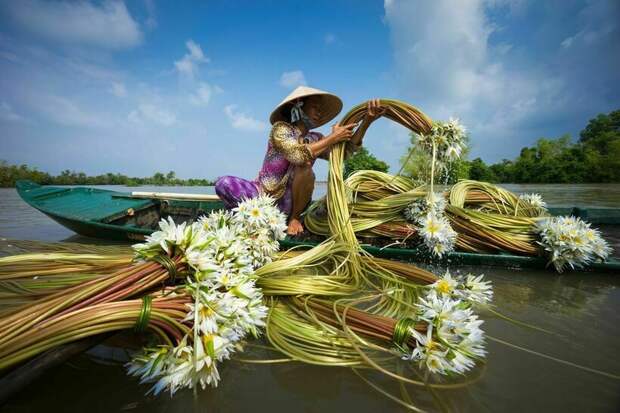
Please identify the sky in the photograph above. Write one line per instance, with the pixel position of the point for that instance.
(143, 86)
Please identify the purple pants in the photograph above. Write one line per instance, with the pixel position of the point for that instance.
(232, 190)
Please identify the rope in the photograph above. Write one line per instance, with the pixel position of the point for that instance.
(166, 262)
(145, 314)
(402, 331)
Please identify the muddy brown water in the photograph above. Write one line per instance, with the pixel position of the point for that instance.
(581, 309)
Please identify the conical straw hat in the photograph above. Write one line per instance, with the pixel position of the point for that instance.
(331, 105)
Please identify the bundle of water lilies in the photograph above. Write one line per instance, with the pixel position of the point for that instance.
(472, 216)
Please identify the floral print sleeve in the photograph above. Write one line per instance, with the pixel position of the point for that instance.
(349, 149)
(284, 139)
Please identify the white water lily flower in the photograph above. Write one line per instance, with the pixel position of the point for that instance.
(436, 362)
(215, 220)
(199, 259)
(150, 364)
(179, 370)
(461, 363)
(445, 285)
(453, 152)
(458, 130)
(437, 307)
(437, 234)
(446, 140)
(470, 289)
(535, 200)
(571, 242)
(453, 338)
(207, 316)
(169, 235)
(432, 225)
(430, 353)
(476, 290)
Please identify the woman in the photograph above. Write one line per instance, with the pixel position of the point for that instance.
(287, 174)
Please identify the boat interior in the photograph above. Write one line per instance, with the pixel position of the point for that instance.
(149, 215)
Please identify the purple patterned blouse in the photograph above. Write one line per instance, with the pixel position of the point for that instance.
(285, 150)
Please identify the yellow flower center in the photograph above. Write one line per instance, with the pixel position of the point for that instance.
(432, 227)
(206, 312)
(444, 287)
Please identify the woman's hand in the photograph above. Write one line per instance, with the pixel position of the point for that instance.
(342, 132)
(375, 110)
(339, 133)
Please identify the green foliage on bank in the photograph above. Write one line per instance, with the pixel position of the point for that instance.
(594, 158)
(362, 159)
(9, 174)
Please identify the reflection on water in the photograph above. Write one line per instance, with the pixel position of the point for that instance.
(581, 309)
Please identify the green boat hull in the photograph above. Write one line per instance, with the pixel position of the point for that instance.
(112, 215)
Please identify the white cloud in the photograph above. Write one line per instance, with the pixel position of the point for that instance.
(64, 111)
(504, 48)
(329, 38)
(243, 121)
(12, 57)
(599, 20)
(292, 79)
(108, 25)
(151, 20)
(195, 51)
(7, 113)
(94, 71)
(586, 37)
(148, 112)
(204, 93)
(118, 89)
(456, 72)
(189, 63)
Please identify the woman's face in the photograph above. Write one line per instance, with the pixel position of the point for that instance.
(312, 108)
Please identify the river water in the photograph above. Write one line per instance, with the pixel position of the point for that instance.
(581, 309)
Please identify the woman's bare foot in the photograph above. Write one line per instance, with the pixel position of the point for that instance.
(294, 227)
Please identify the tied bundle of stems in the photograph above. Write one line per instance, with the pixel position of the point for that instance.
(132, 280)
(162, 313)
(30, 276)
(360, 321)
(487, 218)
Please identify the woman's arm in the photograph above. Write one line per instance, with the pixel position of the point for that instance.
(339, 134)
(284, 139)
(375, 111)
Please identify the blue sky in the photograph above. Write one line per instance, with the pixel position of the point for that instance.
(144, 86)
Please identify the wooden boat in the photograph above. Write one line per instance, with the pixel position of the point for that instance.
(115, 215)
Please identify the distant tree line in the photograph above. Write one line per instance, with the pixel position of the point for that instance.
(363, 159)
(9, 174)
(595, 157)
